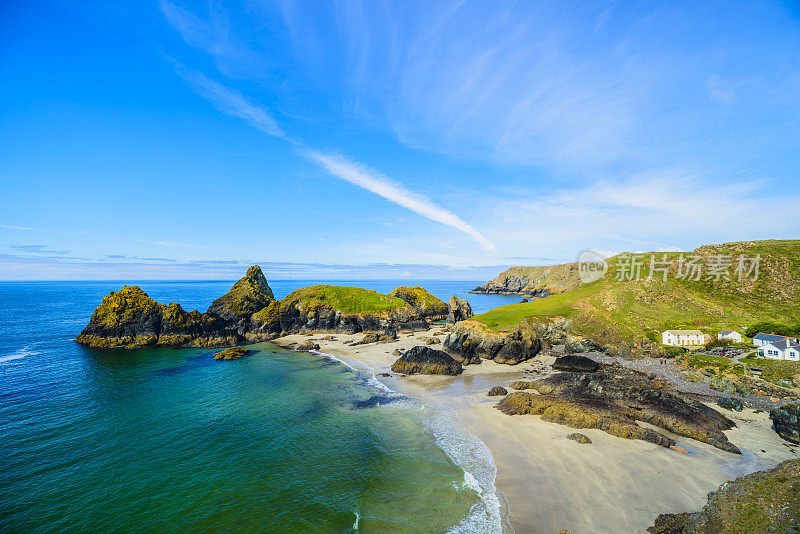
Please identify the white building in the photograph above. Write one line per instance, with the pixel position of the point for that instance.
(762, 339)
(683, 338)
(785, 349)
(730, 335)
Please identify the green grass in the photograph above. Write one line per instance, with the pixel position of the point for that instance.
(345, 299)
(774, 369)
(622, 312)
(716, 365)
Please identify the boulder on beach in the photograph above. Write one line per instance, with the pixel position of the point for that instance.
(580, 438)
(497, 390)
(730, 403)
(458, 310)
(786, 421)
(575, 364)
(386, 337)
(308, 345)
(427, 361)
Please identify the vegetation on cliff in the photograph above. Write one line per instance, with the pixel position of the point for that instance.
(345, 299)
(533, 281)
(621, 313)
(246, 297)
(422, 300)
(127, 317)
(765, 501)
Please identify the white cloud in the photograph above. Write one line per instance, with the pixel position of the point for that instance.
(381, 185)
(232, 102)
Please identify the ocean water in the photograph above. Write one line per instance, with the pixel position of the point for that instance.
(169, 440)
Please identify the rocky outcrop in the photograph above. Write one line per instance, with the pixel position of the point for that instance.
(233, 353)
(334, 309)
(497, 390)
(533, 281)
(469, 341)
(576, 364)
(765, 501)
(731, 403)
(129, 318)
(786, 421)
(580, 438)
(613, 400)
(458, 310)
(426, 361)
(307, 346)
(247, 296)
(421, 300)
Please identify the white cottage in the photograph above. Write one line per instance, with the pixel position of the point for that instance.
(683, 338)
(762, 339)
(730, 335)
(785, 349)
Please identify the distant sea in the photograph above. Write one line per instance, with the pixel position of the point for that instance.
(169, 440)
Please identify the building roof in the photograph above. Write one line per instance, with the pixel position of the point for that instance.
(685, 332)
(761, 336)
(726, 332)
(784, 344)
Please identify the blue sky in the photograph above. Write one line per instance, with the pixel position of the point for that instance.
(388, 139)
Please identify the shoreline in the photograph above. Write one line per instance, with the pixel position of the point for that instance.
(551, 483)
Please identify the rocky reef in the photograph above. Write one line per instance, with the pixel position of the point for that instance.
(533, 281)
(469, 341)
(129, 318)
(458, 310)
(426, 361)
(233, 353)
(421, 300)
(765, 501)
(613, 399)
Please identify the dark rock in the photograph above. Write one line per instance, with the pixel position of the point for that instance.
(580, 438)
(786, 421)
(613, 400)
(765, 501)
(385, 375)
(458, 310)
(730, 403)
(386, 337)
(523, 301)
(233, 353)
(247, 296)
(469, 341)
(308, 345)
(425, 360)
(497, 390)
(431, 340)
(577, 364)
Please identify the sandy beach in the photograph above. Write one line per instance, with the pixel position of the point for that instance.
(552, 483)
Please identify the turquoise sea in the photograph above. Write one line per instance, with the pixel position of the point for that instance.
(169, 440)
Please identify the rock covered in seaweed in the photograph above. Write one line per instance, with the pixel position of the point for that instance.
(233, 353)
(576, 364)
(426, 361)
(613, 400)
(458, 310)
(497, 390)
(125, 318)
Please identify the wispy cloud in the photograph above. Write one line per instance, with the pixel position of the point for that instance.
(381, 185)
(38, 249)
(169, 243)
(231, 102)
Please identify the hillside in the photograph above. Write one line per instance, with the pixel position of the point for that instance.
(533, 281)
(619, 313)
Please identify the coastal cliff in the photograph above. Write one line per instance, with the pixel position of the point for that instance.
(533, 281)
